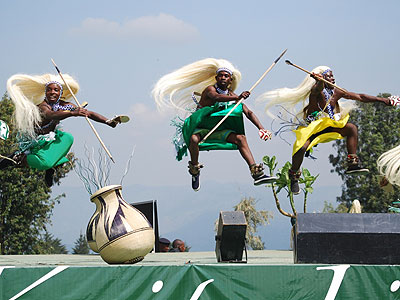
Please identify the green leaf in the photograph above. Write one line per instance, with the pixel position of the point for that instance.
(266, 160)
(309, 189)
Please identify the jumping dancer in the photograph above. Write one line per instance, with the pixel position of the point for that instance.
(216, 79)
(41, 102)
(323, 119)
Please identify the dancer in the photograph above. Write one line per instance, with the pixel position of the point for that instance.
(324, 119)
(41, 102)
(217, 79)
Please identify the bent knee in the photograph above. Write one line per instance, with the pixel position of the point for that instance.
(195, 139)
(351, 128)
(239, 139)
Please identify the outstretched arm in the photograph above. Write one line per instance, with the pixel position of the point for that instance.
(97, 117)
(49, 114)
(362, 97)
(252, 117)
(263, 133)
(100, 118)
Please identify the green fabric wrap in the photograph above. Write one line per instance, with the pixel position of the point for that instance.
(48, 154)
(207, 118)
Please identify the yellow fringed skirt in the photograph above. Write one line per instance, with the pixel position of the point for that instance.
(303, 133)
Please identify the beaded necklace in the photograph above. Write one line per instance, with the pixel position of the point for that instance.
(328, 95)
(57, 106)
(220, 91)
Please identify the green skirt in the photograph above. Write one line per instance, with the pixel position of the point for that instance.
(48, 154)
(207, 118)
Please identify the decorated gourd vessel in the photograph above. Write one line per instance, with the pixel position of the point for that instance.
(120, 232)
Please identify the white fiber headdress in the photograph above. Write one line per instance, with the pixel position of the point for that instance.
(290, 97)
(175, 89)
(389, 165)
(28, 91)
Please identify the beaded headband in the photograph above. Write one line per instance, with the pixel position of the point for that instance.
(326, 71)
(225, 70)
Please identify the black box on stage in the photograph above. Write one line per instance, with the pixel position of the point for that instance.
(331, 238)
(231, 236)
(149, 209)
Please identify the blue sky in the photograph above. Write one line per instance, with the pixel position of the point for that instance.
(117, 51)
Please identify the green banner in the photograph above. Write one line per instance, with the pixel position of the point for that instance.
(217, 281)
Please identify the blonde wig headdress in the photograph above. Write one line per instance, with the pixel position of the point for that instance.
(175, 89)
(389, 165)
(28, 91)
(289, 98)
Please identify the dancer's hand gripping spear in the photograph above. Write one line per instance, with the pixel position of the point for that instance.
(320, 78)
(241, 100)
(87, 119)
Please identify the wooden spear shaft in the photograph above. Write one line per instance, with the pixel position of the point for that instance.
(10, 159)
(241, 100)
(87, 119)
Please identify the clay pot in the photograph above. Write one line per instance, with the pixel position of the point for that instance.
(117, 230)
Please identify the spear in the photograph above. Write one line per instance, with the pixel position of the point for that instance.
(87, 119)
(241, 100)
(320, 78)
(10, 159)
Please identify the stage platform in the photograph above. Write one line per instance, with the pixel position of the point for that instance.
(269, 274)
(265, 257)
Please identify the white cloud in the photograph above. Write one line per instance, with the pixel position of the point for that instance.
(145, 113)
(161, 27)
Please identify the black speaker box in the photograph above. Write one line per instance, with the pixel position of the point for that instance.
(331, 238)
(231, 236)
(149, 209)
